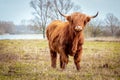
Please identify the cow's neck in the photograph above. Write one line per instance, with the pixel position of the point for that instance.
(71, 31)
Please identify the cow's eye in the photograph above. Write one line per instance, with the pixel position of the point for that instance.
(85, 22)
(71, 21)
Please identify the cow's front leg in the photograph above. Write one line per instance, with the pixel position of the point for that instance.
(53, 58)
(63, 60)
(77, 58)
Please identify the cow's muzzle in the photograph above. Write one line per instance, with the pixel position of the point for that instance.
(78, 28)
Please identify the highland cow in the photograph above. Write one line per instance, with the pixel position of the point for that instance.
(66, 38)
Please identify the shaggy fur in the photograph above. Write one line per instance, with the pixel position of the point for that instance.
(64, 39)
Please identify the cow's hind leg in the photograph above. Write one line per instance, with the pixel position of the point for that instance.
(77, 59)
(53, 58)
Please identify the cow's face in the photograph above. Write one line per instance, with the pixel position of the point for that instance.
(78, 20)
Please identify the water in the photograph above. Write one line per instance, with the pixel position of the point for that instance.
(21, 36)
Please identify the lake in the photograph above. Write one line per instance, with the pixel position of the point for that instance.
(21, 36)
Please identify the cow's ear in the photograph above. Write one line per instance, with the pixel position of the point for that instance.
(69, 18)
(88, 19)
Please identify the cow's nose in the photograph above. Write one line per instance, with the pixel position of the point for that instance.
(78, 28)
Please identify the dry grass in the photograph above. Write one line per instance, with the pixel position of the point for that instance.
(30, 60)
(102, 39)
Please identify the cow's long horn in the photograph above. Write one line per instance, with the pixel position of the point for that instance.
(58, 9)
(95, 15)
(61, 13)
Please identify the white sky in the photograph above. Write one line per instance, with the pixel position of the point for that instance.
(17, 10)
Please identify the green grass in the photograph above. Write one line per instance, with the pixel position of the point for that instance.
(30, 60)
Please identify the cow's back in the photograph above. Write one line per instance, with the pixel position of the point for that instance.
(51, 28)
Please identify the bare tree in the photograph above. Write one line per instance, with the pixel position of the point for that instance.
(41, 8)
(93, 29)
(112, 23)
(64, 6)
(6, 27)
(45, 11)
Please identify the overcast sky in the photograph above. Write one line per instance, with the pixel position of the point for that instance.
(17, 10)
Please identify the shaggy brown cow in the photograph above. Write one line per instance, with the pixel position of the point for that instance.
(66, 38)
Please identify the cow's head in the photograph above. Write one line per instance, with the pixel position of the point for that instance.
(78, 20)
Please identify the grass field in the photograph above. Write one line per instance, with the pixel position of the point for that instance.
(30, 60)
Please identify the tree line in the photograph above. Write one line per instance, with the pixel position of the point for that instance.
(110, 26)
(6, 27)
(45, 11)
